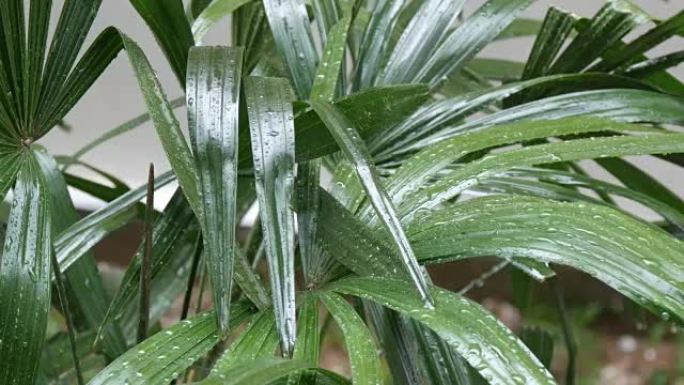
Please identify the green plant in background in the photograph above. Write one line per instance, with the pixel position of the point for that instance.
(389, 98)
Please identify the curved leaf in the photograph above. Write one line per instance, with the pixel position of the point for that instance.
(635, 258)
(459, 180)
(168, 129)
(360, 347)
(166, 19)
(325, 85)
(474, 333)
(163, 357)
(258, 340)
(356, 152)
(25, 277)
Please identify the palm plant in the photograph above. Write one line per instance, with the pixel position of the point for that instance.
(389, 99)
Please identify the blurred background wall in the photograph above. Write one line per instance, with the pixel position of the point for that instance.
(116, 98)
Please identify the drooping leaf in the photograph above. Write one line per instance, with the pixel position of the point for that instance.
(475, 334)
(168, 129)
(357, 337)
(163, 357)
(25, 277)
(289, 23)
(213, 97)
(272, 134)
(356, 152)
(635, 258)
(166, 19)
(497, 69)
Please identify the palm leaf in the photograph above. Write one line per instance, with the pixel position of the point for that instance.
(272, 133)
(359, 342)
(25, 277)
(633, 257)
(463, 324)
(213, 89)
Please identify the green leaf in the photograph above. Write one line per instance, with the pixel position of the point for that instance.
(328, 74)
(212, 13)
(628, 106)
(420, 39)
(637, 259)
(166, 19)
(38, 25)
(653, 67)
(258, 340)
(447, 115)
(375, 40)
(465, 41)
(459, 180)
(168, 129)
(307, 187)
(73, 26)
(642, 44)
(174, 231)
(610, 24)
(360, 347)
(419, 169)
(88, 69)
(10, 162)
(272, 134)
(635, 179)
(76, 240)
(554, 31)
(25, 277)
(258, 372)
(371, 112)
(82, 278)
(164, 356)
(213, 97)
(442, 363)
(474, 333)
(289, 23)
(356, 152)
(307, 348)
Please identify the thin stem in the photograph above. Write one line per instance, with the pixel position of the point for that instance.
(146, 266)
(203, 282)
(191, 279)
(64, 301)
(567, 331)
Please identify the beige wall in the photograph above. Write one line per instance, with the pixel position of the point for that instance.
(115, 97)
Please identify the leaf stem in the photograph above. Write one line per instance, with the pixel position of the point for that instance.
(191, 279)
(567, 330)
(146, 274)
